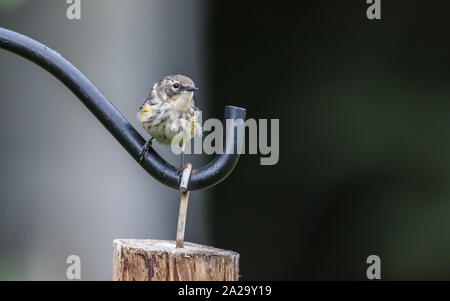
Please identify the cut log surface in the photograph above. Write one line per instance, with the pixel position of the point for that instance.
(160, 260)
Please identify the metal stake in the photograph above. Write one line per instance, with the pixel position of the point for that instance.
(183, 204)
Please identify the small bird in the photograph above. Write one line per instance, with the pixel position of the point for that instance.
(170, 112)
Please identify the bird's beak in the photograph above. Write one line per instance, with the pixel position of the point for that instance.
(190, 88)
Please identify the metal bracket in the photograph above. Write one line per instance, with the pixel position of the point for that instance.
(204, 177)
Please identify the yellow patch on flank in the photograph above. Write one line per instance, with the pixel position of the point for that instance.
(144, 111)
(193, 124)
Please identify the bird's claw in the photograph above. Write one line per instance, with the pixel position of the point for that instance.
(141, 157)
(145, 150)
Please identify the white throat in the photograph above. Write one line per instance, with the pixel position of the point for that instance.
(183, 103)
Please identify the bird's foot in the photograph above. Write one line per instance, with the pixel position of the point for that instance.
(145, 150)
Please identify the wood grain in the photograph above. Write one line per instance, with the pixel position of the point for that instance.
(160, 260)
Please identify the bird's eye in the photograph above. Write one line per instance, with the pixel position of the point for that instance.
(176, 86)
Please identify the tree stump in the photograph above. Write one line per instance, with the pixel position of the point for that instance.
(160, 260)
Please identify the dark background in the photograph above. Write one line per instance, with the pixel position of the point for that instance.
(364, 144)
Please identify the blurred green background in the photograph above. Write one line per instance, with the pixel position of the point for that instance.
(364, 145)
(364, 151)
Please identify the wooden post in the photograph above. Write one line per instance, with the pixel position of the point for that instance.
(150, 260)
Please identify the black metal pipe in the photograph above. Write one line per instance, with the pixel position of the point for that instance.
(115, 123)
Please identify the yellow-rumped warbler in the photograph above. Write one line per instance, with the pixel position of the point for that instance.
(170, 112)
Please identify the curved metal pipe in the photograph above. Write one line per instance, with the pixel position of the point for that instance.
(114, 122)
